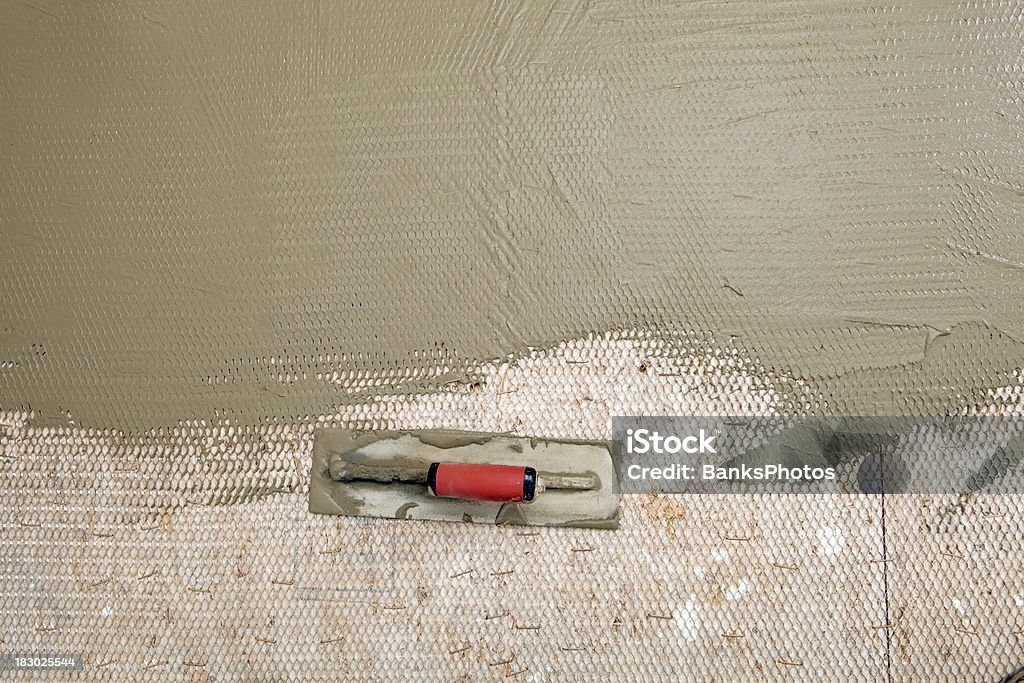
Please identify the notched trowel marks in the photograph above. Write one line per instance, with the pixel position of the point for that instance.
(393, 454)
(417, 193)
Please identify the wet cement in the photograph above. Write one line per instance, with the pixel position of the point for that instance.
(378, 198)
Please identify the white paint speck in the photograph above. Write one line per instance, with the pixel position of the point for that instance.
(738, 591)
(959, 606)
(106, 611)
(720, 555)
(688, 619)
(1019, 600)
(831, 540)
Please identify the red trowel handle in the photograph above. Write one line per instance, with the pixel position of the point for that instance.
(497, 483)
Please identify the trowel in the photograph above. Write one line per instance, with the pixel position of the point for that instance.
(463, 477)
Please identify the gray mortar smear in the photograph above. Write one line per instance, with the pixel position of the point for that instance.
(596, 508)
(196, 224)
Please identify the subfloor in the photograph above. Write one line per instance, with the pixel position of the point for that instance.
(190, 555)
